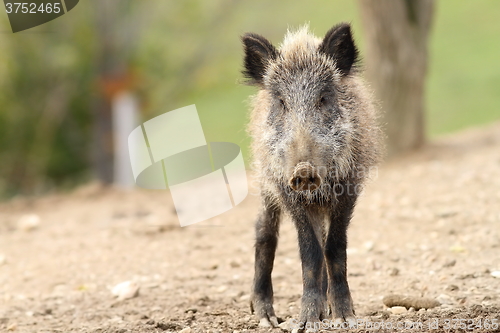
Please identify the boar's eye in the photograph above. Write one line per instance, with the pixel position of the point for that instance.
(326, 98)
(282, 103)
(323, 101)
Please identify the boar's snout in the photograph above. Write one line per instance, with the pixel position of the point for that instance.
(305, 177)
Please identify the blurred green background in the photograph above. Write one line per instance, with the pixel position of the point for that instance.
(189, 52)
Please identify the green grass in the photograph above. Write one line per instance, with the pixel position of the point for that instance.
(464, 78)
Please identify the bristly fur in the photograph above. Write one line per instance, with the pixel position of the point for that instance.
(314, 142)
(300, 57)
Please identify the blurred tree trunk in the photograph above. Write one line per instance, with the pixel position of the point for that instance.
(397, 34)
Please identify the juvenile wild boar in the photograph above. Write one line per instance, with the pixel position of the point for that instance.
(314, 141)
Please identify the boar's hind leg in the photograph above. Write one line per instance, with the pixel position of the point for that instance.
(339, 295)
(266, 228)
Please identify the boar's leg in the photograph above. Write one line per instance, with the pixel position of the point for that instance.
(266, 228)
(339, 296)
(324, 289)
(311, 255)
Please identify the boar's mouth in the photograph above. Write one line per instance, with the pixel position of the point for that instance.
(305, 177)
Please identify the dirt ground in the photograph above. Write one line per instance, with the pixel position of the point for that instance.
(428, 225)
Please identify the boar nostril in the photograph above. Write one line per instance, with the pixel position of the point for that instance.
(305, 177)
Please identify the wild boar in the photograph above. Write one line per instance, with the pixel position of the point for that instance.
(314, 141)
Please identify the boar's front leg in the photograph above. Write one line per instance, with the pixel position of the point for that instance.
(311, 255)
(339, 295)
(266, 228)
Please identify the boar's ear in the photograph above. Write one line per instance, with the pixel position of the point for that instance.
(339, 45)
(258, 52)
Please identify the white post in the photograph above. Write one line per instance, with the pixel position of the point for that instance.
(125, 113)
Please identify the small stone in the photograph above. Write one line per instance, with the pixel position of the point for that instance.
(185, 330)
(221, 289)
(446, 214)
(28, 222)
(398, 310)
(245, 297)
(284, 325)
(444, 299)
(466, 276)
(375, 265)
(451, 287)
(412, 309)
(458, 249)
(3, 259)
(450, 263)
(12, 327)
(369, 245)
(126, 290)
(394, 271)
(495, 274)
